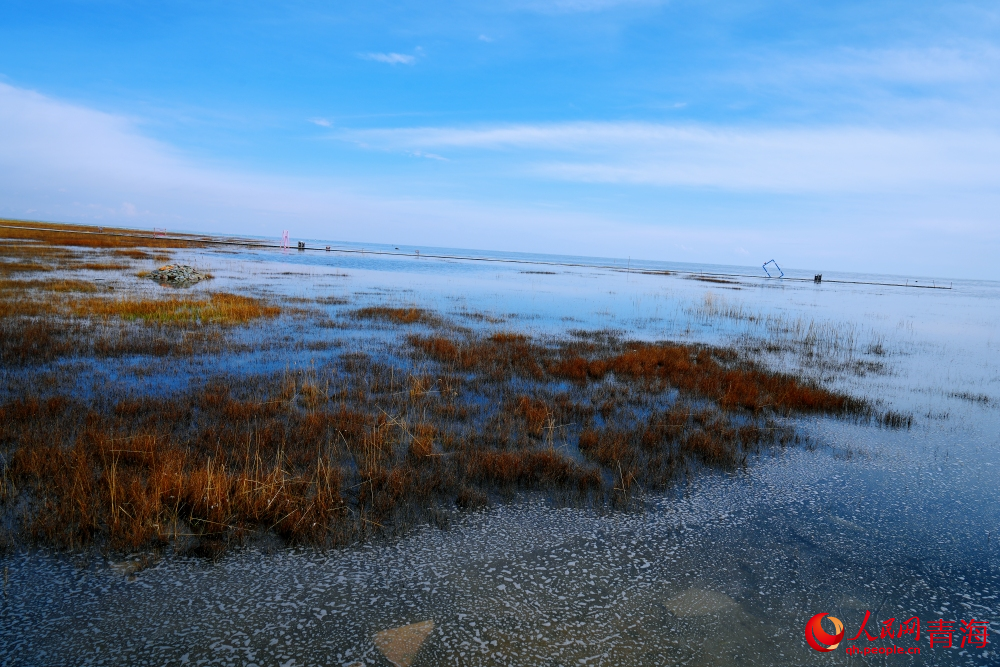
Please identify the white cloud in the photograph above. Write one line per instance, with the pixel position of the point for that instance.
(390, 58)
(322, 122)
(832, 159)
(66, 162)
(936, 86)
(429, 156)
(485, 38)
(933, 65)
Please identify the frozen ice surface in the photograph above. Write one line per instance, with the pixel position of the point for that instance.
(898, 522)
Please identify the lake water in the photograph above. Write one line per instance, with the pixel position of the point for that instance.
(725, 569)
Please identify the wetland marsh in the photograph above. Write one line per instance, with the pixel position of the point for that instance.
(568, 463)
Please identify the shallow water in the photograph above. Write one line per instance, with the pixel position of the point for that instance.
(723, 570)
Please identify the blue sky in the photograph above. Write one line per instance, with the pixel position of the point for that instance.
(851, 135)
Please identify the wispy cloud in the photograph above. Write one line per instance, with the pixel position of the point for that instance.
(429, 156)
(936, 86)
(389, 58)
(322, 122)
(61, 161)
(931, 65)
(830, 159)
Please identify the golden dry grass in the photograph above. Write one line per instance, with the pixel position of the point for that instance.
(22, 267)
(395, 315)
(714, 374)
(22, 298)
(87, 236)
(34, 249)
(51, 285)
(101, 266)
(142, 487)
(220, 308)
(136, 253)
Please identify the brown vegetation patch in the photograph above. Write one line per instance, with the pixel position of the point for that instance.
(44, 320)
(320, 458)
(22, 267)
(220, 308)
(101, 266)
(395, 315)
(88, 236)
(528, 469)
(499, 355)
(137, 482)
(50, 285)
(27, 341)
(136, 253)
(715, 374)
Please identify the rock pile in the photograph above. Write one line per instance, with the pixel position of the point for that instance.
(177, 274)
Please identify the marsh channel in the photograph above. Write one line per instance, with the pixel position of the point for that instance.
(395, 437)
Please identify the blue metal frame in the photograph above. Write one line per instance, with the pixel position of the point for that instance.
(775, 266)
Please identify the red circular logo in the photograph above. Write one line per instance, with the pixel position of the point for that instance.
(819, 638)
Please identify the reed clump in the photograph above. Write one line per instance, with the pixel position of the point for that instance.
(145, 473)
